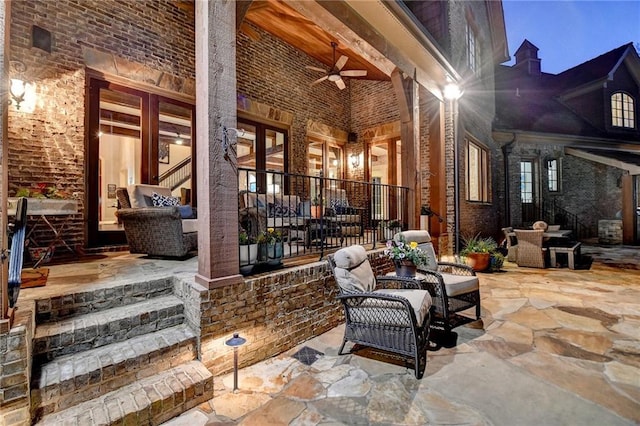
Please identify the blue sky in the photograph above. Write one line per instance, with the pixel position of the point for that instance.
(569, 32)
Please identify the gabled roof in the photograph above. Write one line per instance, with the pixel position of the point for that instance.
(532, 103)
(595, 69)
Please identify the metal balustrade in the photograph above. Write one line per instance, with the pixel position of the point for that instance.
(313, 215)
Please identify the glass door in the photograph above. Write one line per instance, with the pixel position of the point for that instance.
(133, 137)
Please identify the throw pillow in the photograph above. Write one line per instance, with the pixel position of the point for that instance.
(162, 201)
(186, 212)
(278, 210)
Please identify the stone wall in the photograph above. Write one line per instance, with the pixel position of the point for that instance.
(15, 368)
(274, 312)
(610, 231)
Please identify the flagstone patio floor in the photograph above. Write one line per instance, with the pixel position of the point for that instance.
(554, 347)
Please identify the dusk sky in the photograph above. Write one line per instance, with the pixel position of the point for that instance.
(570, 32)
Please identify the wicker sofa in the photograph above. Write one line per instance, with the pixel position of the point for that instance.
(285, 213)
(155, 231)
(388, 313)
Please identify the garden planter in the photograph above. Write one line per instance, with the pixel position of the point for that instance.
(248, 257)
(405, 268)
(271, 253)
(478, 261)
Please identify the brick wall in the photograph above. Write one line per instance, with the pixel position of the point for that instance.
(273, 312)
(48, 145)
(273, 73)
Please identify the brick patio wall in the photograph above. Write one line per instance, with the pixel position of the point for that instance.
(274, 312)
(15, 368)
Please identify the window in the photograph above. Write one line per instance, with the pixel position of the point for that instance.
(553, 175)
(622, 111)
(477, 173)
(326, 157)
(526, 181)
(473, 50)
(261, 148)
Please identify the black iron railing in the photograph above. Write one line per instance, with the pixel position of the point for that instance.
(312, 215)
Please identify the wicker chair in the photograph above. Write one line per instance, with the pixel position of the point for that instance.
(155, 231)
(453, 286)
(512, 244)
(531, 253)
(388, 313)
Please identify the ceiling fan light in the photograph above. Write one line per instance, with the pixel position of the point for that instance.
(334, 77)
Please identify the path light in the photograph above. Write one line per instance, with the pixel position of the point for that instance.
(235, 342)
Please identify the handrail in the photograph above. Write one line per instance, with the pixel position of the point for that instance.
(316, 214)
(561, 216)
(176, 175)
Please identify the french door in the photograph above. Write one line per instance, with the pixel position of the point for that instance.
(133, 137)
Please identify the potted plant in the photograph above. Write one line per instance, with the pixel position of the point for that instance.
(248, 251)
(389, 228)
(477, 251)
(406, 256)
(316, 207)
(270, 247)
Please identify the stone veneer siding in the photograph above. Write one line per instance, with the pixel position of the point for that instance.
(15, 368)
(48, 145)
(274, 312)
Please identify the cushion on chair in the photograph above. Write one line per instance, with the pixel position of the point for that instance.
(553, 228)
(353, 272)
(424, 243)
(420, 300)
(541, 224)
(459, 284)
(164, 201)
(140, 194)
(189, 225)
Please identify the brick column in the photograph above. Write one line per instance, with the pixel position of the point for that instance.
(218, 262)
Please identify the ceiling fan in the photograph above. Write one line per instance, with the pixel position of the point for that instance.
(335, 74)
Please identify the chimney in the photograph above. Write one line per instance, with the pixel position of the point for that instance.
(527, 58)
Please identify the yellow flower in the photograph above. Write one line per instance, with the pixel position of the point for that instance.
(413, 245)
(270, 230)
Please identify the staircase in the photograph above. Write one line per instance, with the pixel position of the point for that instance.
(118, 355)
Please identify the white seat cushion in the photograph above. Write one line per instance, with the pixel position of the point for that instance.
(189, 225)
(140, 194)
(420, 301)
(459, 284)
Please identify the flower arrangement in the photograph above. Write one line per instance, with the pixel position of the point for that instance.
(406, 251)
(270, 236)
(42, 190)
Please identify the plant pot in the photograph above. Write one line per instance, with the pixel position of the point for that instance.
(316, 211)
(478, 261)
(271, 253)
(248, 254)
(405, 268)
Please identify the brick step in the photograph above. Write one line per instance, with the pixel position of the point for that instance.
(101, 328)
(75, 378)
(55, 308)
(151, 400)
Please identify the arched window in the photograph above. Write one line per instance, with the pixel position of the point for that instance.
(622, 110)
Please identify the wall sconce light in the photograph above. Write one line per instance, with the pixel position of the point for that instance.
(355, 160)
(235, 342)
(226, 143)
(17, 85)
(451, 90)
(179, 140)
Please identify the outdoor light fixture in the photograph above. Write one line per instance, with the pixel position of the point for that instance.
(452, 91)
(226, 144)
(17, 89)
(355, 160)
(179, 140)
(235, 342)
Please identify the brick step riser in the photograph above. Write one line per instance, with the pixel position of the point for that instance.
(69, 305)
(152, 400)
(84, 338)
(98, 382)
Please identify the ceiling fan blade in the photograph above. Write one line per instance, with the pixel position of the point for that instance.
(320, 80)
(309, 67)
(340, 62)
(340, 84)
(353, 73)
